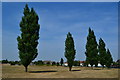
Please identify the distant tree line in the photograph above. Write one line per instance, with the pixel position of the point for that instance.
(11, 62)
(51, 63)
(40, 63)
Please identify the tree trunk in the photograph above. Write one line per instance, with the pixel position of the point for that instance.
(70, 68)
(87, 65)
(26, 69)
(92, 66)
(96, 65)
(102, 66)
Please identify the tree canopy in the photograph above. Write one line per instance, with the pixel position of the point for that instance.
(70, 50)
(28, 40)
(91, 49)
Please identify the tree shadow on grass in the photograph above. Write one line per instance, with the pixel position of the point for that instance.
(75, 70)
(41, 71)
(97, 69)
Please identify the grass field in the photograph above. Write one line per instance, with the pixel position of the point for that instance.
(9, 71)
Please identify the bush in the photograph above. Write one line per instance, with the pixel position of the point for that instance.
(48, 63)
(58, 64)
(39, 62)
(12, 63)
(76, 63)
(4, 61)
(53, 63)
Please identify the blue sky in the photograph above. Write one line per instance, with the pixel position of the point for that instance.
(56, 19)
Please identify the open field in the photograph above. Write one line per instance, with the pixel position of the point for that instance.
(9, 71)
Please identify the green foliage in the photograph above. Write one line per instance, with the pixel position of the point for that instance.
(69, 50)
(28, 41)
(76, 63)
(17, 62)
(105, 57)
(39, 62)
(86, 63)
(48, 63)
(12, 63)
(118, 61)
(109, 59)
(116, 65)
(5, 61)
(102, 52)
(53, 63)
(61, 61)
(58, 64)
(91, 49)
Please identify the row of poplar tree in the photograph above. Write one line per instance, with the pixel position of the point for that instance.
(28, 42)
(95, 53)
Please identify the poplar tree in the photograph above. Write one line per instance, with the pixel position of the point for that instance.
(109, 59)
(70, 50)
(91, 49)
(28, 40)
(102, 52)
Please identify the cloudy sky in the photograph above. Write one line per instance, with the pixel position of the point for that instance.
(56, 19)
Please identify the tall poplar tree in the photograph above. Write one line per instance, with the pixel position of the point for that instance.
(28, 40)
(91, 49)
(102, 52)
(70, 50)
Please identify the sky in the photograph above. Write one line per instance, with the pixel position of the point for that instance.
(56, 19)
(60, 0)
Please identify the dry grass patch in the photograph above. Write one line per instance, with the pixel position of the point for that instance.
(57, 72)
